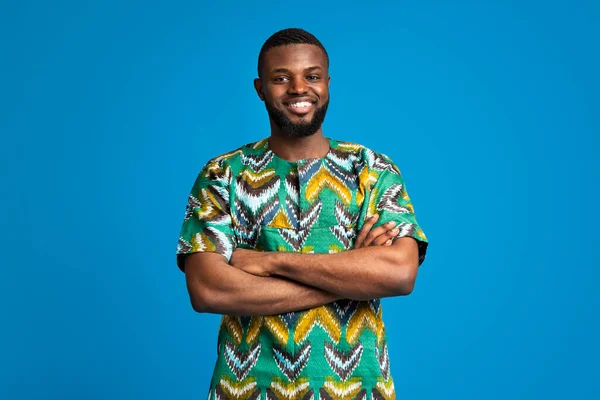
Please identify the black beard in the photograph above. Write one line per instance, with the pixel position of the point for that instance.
(301, 129)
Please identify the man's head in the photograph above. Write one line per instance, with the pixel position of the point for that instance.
(294, 82)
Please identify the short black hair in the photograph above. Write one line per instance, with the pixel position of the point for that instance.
(289, 36)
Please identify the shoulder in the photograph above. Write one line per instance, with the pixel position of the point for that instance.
(373, 159)
(220, 167)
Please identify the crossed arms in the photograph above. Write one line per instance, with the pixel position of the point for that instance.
(268, 283)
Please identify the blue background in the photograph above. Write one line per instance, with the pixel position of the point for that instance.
(109, 110)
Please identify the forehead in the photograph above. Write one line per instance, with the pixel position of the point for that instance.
(295, 57)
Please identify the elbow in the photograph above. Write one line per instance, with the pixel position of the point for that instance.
(201, 298)
(405, 277)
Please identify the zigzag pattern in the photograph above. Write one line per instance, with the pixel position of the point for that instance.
(381, 162)
(212, 205)
(211, 240)
(346, 390)
(257, 162)
(232, 325)
(239, 362)
(323, 178)
(299, 390)
(343, 215)
(292, 186)
(190, 206)
(345, 175)
(344, 309)
(214, 170)
(390, 198)
(346, 159)
(384, 390)
(365, 318)
(343, 232)
(384, 360)
(322, 316)
(405, 229)
(296, 238)
(343, 364)
(366, 180)
(290, 319)
(244, 390)
(247, 235)
(250, 190)
(256, 198)
(291, 365)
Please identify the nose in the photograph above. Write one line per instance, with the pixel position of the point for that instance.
(298, 86)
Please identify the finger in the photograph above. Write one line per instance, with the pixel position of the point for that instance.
(358, 243)
(377, 232)
(384, 237)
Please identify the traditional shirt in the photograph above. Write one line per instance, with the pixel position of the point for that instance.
(251, 198)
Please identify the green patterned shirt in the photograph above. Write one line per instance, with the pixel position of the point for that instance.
(250, 198)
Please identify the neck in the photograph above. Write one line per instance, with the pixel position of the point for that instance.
(294, 149)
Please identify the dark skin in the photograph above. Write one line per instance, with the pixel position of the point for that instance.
(268, 283)
(293, 73)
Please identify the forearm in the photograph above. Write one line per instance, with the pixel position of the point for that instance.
(361, 274)
(227, 290)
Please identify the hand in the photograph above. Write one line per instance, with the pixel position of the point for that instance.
(252, 261)
(380, 236)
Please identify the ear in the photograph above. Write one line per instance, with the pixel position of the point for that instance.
(328, 80)
(258, 86)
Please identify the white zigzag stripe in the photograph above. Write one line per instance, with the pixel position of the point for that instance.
(257, 201)
(238, 392)
(289, 393)
(223, 241)
(333, 358)
(342, 392)
(389, 200)
(388, 392)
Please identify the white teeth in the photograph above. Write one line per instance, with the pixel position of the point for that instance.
(301, 104)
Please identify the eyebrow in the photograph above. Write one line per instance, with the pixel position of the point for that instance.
(309, 69)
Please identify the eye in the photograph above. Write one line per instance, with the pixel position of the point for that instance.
(313, 77)
(280, 79)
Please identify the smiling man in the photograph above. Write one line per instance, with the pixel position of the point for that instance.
(295, 239)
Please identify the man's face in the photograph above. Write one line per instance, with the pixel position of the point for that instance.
(294, 85)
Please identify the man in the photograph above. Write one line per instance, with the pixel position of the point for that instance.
(270, 241)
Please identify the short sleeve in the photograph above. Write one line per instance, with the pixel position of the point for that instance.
(207, 221)
(389, 198)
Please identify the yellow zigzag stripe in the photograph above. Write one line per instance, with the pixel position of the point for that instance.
(201, 242)
(386, 388)
(254, 330)
(233, 326)
(237, 390)
(349, 146)
(274, 324)
(278, 328)
(323, 178)
(257, 179)
(290, 390)
(365, 318)
(209, 206)
(342, 390)
(366, 178)
(321, 316)
(260, 143)
(372, 208)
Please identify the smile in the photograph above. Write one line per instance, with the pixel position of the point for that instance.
(300, 107)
